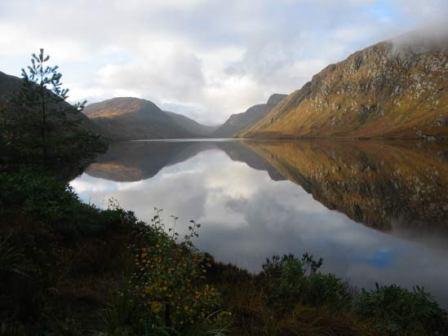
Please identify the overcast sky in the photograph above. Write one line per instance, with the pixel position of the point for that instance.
(204, 58)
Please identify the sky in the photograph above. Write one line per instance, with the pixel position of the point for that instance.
(206, 59)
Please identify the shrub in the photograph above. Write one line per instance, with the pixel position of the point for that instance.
(169, 278)
(290, 281)
(397, 311)
(53, 202)
(326, 289)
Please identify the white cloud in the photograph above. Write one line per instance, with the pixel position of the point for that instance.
(217, 57)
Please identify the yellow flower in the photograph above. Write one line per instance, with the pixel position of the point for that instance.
(155, 307)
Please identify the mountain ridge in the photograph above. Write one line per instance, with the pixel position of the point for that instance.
(129, 118)
(240, 121)
(393, 89)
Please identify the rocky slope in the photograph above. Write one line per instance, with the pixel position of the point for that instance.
(134, 118)
(396, 88)
(240, 121)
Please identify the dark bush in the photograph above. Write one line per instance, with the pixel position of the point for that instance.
(291, 281)
(398, 311)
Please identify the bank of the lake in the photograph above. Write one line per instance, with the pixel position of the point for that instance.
(69, 268)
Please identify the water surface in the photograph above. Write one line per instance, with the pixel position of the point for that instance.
(376, 212)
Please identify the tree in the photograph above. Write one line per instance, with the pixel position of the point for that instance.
(40, 124)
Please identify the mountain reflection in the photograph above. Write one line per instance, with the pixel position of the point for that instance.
(389, 186)
(257, 199)
(140, 160)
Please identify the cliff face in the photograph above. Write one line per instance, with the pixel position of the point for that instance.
(395, 88)
(382, 185)
(240, 121)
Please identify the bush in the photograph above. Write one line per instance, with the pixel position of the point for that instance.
(397, 311)
(328, 290)
(53, 202)
(170, 277)
(292, 281)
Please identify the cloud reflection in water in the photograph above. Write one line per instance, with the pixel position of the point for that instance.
(247, 217)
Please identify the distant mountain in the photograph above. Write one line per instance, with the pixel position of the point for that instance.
(238, 122)
(394, 89)
(191, 126)
(133, 118)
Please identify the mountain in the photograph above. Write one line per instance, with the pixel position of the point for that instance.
(192, 126)
(132, 119)
(238, 122)
(128, 118)
(394, 89)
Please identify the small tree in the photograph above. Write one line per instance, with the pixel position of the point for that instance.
(41, 125)
(42, 92)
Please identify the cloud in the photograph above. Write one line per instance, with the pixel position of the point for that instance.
(206, 59)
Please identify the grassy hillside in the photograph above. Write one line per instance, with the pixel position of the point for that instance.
(10, 85)
(135, 119)
(36, 126)
(240, 121)
(395, 88)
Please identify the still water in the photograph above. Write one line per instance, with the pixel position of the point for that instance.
(375, 212)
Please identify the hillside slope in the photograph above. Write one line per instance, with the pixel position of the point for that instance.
(9, 85)
(191, 125)
(240, 121)
(127, 118)
(395, 88)
(133, 119)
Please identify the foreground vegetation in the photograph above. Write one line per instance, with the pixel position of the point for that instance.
(37, 124)
(68, 268)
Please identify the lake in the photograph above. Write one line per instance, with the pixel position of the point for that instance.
(376, 212)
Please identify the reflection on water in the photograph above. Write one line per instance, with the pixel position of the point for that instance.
(256, 199)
